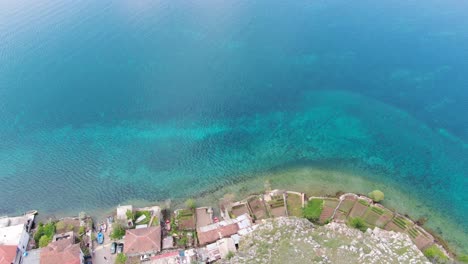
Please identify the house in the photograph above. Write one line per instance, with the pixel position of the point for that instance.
(204, 216)
(143, 241)
(62, 251)
(218, 250)
(211, 233)
(14, 232)
(7, 254)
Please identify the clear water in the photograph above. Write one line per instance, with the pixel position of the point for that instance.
(102, 102)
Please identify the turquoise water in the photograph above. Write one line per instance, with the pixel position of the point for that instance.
(103, 102)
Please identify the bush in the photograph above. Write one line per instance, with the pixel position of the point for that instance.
(313, 210)
(182, 242)
(434, 253)
(130, 215)
(118, 232)
(121, 258)
(358, 223)
(376, 195)
(229, 255)
(44, 241)
(81, 231)
(60, 225)
(47, 230)
(190, 203)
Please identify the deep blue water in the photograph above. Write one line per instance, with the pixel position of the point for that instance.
(104, 101)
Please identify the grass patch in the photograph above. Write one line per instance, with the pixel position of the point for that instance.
(400, 222)
(185, 214)
(313, 210)
(433, 253)
(144, 221)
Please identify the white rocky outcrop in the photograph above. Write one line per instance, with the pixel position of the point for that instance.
(295, 240)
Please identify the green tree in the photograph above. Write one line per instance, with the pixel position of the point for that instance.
(190, 203)
(376, 195)
(82, 230)
(121, 258)
(44, 241)
(117, 232)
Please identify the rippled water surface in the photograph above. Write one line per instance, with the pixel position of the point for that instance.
(102, 102)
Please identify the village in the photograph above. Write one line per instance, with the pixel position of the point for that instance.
(187, 235)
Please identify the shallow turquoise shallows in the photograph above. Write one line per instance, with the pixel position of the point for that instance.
(102, 102)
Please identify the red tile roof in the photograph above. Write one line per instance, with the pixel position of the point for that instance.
(217, 233)
(143, 240)
(61, 251)
(7, 254)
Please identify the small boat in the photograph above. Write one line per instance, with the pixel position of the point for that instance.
(100, 238)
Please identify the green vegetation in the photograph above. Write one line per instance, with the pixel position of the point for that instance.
(434, 253)
(60, 225)
(400, 222)
(358, 223)
(155, 221)
(44, 234)
(82, 230)
(229, 255)
(313, 210)
(144, 221)
(118, 232)
(184, 214)
(463, 258)
(182, 241)
(44, 241)
(121, 258)
(276, 201)
(190, 203)
(363, 202)
(377, 210)
(130, 215)
(376, 195)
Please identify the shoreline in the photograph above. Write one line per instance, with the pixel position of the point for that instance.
(318, 182)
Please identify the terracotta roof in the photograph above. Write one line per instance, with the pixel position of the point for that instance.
(7, 254)
(217, 233)
(143, 240)
(61, 251)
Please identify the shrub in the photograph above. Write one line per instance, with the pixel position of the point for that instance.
(44, 241)
(130, 215)
(376, 195)
(358, 223)
(434, 253)
(313, 210)
(121, 258)
(60, 225)
(229, 255)
(81, 231)
(190, 203)
(118, 232)
(182, 242)
(44, 230)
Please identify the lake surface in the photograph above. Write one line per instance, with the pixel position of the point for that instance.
(102, 102)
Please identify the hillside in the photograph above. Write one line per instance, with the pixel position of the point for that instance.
(295, 240)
